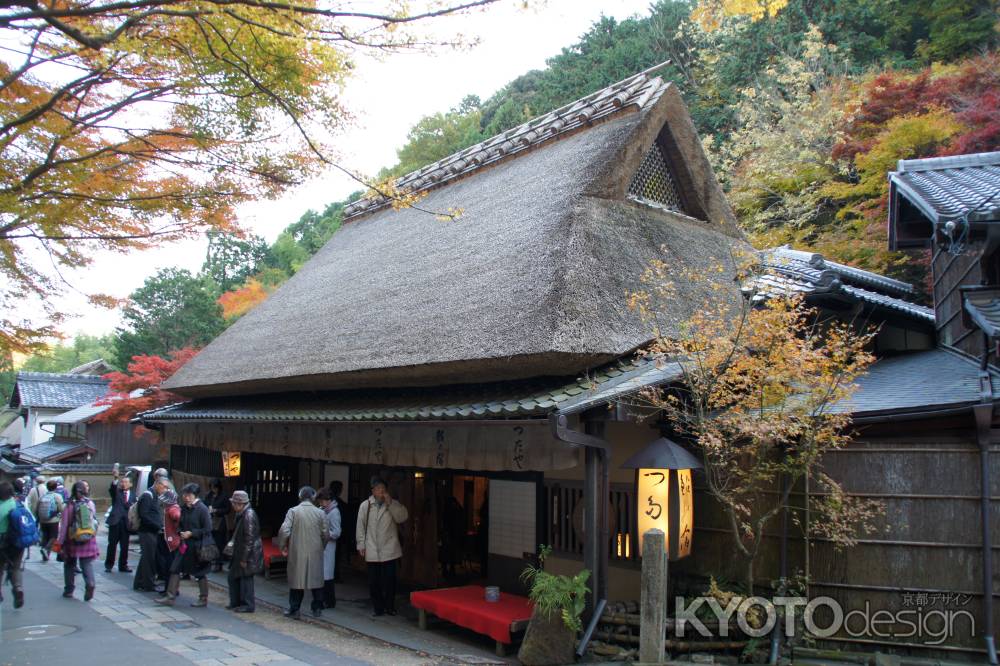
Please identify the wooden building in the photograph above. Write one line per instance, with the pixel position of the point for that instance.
(442, 352)
(483, 360)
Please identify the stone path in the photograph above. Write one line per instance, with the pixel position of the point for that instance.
(176, 629)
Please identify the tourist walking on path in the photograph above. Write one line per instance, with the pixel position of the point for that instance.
(218, 504)
(171, 513)
(378, 542)
(10, 556)
(302, 537)
(332, 510)
(49, 512)
(197, 551)
(122, 498)
(35, 494)
(78, 540)
(150, 527)
(246, 552)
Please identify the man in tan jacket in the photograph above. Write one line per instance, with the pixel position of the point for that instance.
(302, 538)
(377, 535)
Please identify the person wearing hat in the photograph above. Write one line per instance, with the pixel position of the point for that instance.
(35, 494)
(377, 535)
(171, 512)
(247, 554)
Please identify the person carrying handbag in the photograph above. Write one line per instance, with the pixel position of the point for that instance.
(247, 552)
(196, 551)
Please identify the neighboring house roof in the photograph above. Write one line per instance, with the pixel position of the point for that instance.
(788, 271)
(917, 382)
(56, 391)
(81, 414)
(502, 400)
(948, 188)
(944, 196)
(54, 450)
(981, 308)
(528, 281)
(95, 367)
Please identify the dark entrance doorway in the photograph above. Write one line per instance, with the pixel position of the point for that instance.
(445, 541)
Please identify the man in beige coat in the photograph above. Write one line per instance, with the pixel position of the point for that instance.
(302, 538)
(377, 535)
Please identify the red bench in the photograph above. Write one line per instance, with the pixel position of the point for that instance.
(274, 562)
(467, 607)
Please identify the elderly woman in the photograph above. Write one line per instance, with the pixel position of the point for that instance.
(247, 553)
(197, 550)
(171, 535)
(331, 508)
(78, 540)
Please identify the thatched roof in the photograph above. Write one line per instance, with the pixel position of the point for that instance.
(530, 280)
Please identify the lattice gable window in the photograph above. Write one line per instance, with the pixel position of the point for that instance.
(654, 183)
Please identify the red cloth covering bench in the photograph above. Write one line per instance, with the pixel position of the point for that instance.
(467, 607)
(273, 559)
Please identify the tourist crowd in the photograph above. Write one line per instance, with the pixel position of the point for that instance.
(182, 535)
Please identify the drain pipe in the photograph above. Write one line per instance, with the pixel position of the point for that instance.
(776, 633)
(598, 452)
(984, 417)
(984, 420)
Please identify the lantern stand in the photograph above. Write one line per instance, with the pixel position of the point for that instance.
(664, 504)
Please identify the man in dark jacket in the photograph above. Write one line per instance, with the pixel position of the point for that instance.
(247, 554)
(122, 497)
(150, 526)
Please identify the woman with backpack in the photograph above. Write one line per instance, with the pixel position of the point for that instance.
(10, 554)
(78, 540)
(49, 508)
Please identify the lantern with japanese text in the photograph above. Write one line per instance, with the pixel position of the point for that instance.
(231, 461)
(665, 494)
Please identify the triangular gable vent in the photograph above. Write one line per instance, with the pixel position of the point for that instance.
(654, 183)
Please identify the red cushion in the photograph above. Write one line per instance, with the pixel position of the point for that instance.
(467, 607)
(271, 551)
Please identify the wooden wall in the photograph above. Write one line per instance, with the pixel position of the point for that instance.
(116, 442)
(927, 475)
(949, 272)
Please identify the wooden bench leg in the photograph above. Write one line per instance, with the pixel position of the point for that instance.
(422, 618)
(501, 649)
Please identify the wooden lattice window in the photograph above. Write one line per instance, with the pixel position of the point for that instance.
(653, 182)
(564, 518)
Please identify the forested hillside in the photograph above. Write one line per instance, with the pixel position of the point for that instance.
(803, 106)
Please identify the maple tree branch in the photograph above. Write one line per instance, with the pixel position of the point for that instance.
(113, 8)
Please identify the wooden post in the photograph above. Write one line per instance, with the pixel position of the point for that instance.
(653, 603)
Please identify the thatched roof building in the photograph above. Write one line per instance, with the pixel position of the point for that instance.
(559, 217)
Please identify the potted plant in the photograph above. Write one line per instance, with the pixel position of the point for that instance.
(559, 601)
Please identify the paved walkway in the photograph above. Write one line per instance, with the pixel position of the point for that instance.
(120, 623)
(444, 641)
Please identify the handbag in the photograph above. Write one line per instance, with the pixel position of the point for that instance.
(228, 550)
(208, 553)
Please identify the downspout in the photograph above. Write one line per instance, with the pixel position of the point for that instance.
(776, 633)
(984, 418)
(599, 449)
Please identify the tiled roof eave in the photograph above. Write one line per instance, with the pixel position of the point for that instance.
(606, 384)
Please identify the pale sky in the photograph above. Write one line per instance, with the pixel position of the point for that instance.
(386, 97)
